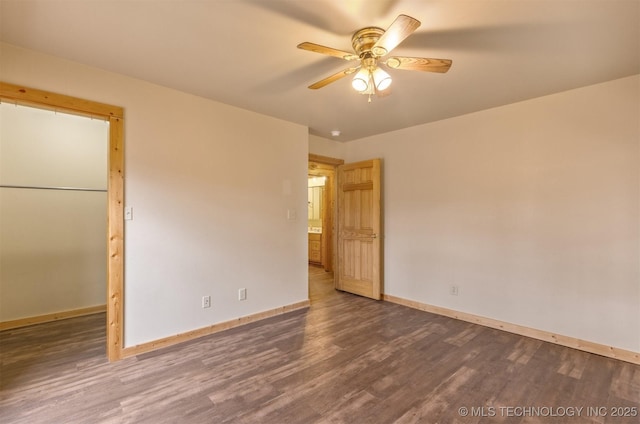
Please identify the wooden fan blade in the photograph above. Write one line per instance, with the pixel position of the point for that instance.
(419, 64)
(400, 29)
(317, 48)
(335, 77)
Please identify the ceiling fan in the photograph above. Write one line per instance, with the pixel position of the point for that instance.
(370, 44)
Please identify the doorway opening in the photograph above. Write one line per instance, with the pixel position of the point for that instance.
(322, 211)
(317, 217)
(53, 215)
(114, 115)
(352, 194)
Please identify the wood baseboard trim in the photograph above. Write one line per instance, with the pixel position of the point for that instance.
(211, 329)
(39, 319)
(572, 342)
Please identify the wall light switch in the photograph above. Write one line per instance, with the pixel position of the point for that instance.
(206, 301)
(292, 215)
(128, 213)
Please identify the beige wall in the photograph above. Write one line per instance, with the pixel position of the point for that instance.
(52, 243)
(531, 209)
(325, 147)
(210, 186)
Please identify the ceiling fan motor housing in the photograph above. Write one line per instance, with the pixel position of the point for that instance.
(363, 40)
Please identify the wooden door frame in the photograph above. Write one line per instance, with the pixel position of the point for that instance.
(327, 166)
(115, 192)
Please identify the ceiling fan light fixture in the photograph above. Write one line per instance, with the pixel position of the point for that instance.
(370, 45)
(381, 79)
(360, 82)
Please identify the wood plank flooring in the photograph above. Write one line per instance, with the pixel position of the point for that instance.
(345, 360)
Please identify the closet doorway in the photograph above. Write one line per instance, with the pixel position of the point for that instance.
(31, 189)
(53, 214)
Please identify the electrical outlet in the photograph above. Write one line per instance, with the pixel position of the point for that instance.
(242, 294)
(453, 290)
(206, 301)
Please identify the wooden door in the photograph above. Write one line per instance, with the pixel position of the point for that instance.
(359, 268)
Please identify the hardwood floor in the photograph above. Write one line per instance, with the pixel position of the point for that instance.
(346, 360)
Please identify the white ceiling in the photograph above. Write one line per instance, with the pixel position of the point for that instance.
(243, 52)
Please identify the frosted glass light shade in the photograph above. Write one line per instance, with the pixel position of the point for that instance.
(360, 82)
(381, 79)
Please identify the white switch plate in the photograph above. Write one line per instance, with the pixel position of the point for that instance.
(206, 301)
(128, 213)
(242, 294)
(292, 214)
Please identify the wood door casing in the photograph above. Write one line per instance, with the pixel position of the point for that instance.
(115, 193)
(359, 229)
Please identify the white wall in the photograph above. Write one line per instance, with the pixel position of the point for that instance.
(532, 209)
(52, 243)
(210, 186)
